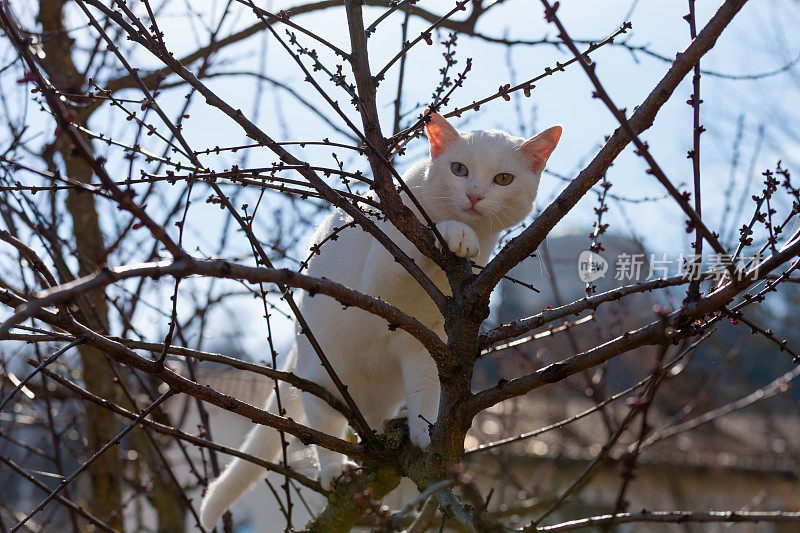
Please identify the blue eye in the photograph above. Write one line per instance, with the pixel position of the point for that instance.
(459, 169)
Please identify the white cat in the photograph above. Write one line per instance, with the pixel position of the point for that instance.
(474, 185)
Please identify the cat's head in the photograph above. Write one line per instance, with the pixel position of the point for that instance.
(486, 179)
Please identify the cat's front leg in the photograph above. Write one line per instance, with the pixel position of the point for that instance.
(421, 385)
(460, 238)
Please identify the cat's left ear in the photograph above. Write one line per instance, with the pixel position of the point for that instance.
(537, 149)
(440, 134)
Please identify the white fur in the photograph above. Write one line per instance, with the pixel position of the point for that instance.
(385, 369)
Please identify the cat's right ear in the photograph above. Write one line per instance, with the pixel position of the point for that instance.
(440, 134)
(537, 150)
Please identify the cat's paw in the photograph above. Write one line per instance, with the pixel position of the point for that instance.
(330, 473)
(460, 238)
(419, 434)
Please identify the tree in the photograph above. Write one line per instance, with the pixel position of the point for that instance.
(84, 282)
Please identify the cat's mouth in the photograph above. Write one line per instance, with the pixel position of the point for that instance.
(472, 211)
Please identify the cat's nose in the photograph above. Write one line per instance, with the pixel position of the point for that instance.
(474, 197)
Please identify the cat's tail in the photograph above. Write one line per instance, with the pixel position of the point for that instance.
(262, 442)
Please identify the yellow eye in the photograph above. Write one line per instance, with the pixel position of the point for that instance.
(504, 178)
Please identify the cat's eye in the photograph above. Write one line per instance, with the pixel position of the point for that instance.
(459, 169)
(504, 178)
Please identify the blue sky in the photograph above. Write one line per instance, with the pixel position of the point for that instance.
(761, 38)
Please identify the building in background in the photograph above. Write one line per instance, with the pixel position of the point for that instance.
(692, 460)
(553, 271)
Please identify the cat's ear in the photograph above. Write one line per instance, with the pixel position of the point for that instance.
(440, 134)
(537, 150)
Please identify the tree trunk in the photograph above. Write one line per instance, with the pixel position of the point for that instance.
(101, 426)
